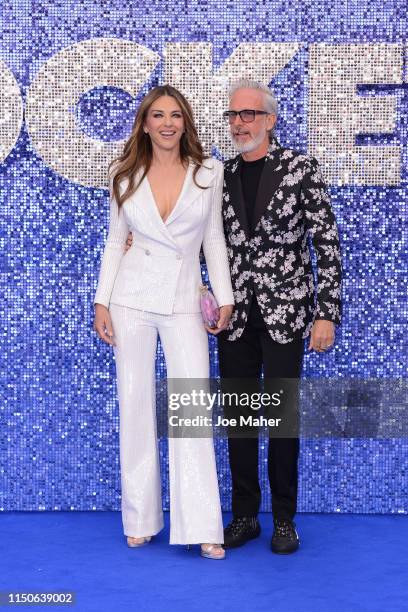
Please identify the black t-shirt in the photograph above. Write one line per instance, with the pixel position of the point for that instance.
(250, 175)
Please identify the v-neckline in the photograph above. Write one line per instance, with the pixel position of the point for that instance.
(164, 221)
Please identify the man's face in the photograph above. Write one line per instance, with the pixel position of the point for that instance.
(249, 136)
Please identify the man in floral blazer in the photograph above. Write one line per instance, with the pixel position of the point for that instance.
(274, 200)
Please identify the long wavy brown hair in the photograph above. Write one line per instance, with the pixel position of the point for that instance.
(137, 152)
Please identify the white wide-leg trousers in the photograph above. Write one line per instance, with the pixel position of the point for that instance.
(195, 509)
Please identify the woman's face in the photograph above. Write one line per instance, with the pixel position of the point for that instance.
(165, 123)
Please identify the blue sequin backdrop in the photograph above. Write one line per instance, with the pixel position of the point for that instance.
(59, 413)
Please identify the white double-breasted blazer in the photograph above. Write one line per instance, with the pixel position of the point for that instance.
(161, 271)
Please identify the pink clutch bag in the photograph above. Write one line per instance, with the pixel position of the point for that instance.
(209, 307)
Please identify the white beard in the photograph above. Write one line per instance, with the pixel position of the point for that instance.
(246, 147)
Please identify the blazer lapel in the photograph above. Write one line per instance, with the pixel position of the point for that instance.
(234, 188)
(145, 200)
(190, 191)
(271, 177)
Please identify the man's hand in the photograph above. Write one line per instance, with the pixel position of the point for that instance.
(225, 315)
(322, 336)
(129, 241)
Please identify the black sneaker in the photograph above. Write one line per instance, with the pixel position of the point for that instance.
(285, 539)
(240, 530)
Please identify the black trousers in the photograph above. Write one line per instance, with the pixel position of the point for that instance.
(245, 358)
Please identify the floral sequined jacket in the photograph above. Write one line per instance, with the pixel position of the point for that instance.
(274, 260)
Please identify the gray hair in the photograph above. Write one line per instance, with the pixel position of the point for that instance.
(271, 103)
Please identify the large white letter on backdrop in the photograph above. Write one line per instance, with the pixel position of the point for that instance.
(337, 114)
(11, 111)
(57, 88)
(189, 67)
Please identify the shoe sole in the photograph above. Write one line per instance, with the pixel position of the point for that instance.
(285, 552)
(247, 539)
(207, 556)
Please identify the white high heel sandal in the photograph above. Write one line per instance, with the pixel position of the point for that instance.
(208, 551)
(136, 542)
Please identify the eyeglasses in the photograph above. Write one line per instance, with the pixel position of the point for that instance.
(246, 115)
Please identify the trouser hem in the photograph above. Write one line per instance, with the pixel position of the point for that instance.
(136, 530)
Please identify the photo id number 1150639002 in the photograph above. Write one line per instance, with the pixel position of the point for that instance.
(43, 598)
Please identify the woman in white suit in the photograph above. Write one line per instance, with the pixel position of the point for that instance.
(168, 195)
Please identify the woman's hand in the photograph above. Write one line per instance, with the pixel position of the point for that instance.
(103, 324)
(225, 315)
(129, 241)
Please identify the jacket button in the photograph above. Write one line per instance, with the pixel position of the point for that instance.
(147, 252)
(179, 256)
